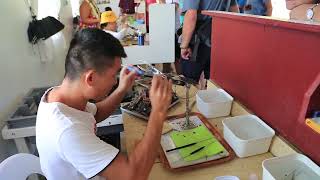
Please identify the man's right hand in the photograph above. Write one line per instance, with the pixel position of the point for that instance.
(160, 94)
(291, 4)
(147, 149)
(186, 53)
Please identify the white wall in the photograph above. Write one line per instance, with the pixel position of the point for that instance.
(20, 65)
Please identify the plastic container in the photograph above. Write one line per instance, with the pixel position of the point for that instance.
(248, 135)
(214, 103)
(140, 39)
(227, 178)
(140, 21)
(26, 113)
(36, 94)
(294, 166)
(22, 117)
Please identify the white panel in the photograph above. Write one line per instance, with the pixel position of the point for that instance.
(162, 30)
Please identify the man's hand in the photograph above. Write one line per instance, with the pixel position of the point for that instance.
(140, 161)
(186, 53)
(126, 79)
(109, 105)
(160, 94)
(291, 4)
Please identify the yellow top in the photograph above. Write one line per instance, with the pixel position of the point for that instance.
(107, 17)
(94, 9)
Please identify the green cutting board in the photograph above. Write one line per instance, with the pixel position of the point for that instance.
(200, 135)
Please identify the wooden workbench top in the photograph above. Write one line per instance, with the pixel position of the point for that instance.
(241, 167)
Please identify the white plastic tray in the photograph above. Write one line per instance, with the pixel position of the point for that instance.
(214, 103)
(295, 166)
(248, 135)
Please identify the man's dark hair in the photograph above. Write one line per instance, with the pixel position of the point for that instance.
(91, 49)
(107, 9)
(103, 25)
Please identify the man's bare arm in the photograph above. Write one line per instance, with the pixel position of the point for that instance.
(190, 21)
(139, 163)
(109, 105)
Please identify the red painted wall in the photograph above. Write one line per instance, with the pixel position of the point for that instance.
(272, 67)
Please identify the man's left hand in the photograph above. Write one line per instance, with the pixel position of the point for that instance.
(126, 79)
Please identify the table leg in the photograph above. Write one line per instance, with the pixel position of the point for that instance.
(21, 145)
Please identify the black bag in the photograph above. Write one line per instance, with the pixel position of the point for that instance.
(202, 35)
(43, 29)
(204, 31)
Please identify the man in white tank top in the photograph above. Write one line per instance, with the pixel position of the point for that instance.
(66, 120)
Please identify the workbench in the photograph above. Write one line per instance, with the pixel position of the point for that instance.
(241, 167)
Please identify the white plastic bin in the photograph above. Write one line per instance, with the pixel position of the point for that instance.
(294, 166)
(248, 135)
(214, 103)
(227, 178)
